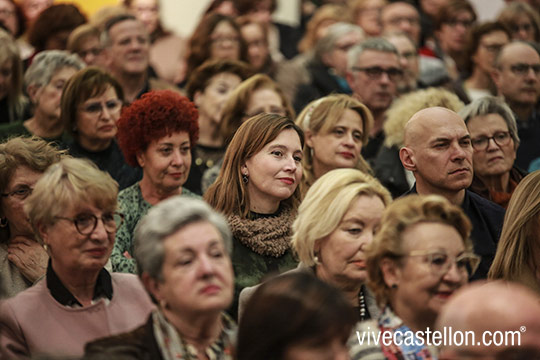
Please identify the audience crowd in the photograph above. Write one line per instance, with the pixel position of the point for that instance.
(257, 190)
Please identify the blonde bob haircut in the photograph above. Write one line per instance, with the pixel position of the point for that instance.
(321, 116)
(69, 184)
(325, 205)
(519, 238)
(398, 217)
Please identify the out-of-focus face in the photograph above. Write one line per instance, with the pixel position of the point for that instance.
(257, 44)
(32, 8)
(18, 189)
(408, 58)
(515, 80)
(6, 77)
(495, 159)
(72, 252)
(422, 287)
(523, 28)
(431, 7)
(47, 97)
(129, 49)
(166, 162)
(376, 91)
(488, 47)
(8, 16)
(147, 11)
(401, 17)
(453, 33)
(274, 172)
(225, 42)
(369, 18)
(262, 11)
(264, 101)
(342, 258)
(340, 147)
(197, 272)
(337, 57)
(210, 101)
(57, 40)
(335, 349)
(90, 51)
(97, 117)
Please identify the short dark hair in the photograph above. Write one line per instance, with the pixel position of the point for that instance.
(448, 11)
(245, 6)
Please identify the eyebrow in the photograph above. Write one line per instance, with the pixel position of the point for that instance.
(283, 147)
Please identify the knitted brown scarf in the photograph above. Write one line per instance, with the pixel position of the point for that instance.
(268, 236)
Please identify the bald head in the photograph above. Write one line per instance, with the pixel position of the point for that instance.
(427, 121)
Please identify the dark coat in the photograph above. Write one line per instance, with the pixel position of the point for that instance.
(390, 172)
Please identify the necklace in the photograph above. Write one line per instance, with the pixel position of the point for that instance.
(362, 305)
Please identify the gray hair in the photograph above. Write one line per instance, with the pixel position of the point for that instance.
(491, 105)
(335, 32)
(165, 219)
(47, 63)
(375, 44)
(105, 37)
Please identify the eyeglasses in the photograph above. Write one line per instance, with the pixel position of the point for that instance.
(375, 72)
(20, 193)
(440, 262)
(501, 138)
(96, 108)
(518, 27)
(92, 51)
(455, 22)
(398, 20)
(523, 69)
(86, 223)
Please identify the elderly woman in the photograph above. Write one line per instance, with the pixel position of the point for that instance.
(72, 210)
(13, 104)
(22, 259)
(420, 256)
(44, 81)
(295, 316)
(522, 20)
(494, 138)
(84, 41)
(209, 87)
(518, 254)
(91, 104)
(182, 248)
(257, 189)
(156, 133)
(367, 15)
(335, 127)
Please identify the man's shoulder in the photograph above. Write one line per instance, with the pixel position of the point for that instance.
(484, 205)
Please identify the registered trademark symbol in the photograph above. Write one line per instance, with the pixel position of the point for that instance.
(522, 329)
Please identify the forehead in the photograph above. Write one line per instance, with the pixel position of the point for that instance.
(399, 9)
(519, 53)
(432, 236)
(402, 43)
(438, 124)
(197, 235)
(375, 57)
(127, 27)
(224, 27)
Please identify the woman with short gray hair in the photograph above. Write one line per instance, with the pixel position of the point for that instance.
(495, 140)
(182, 249)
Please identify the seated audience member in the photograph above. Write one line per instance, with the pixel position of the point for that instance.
(126, 45)
(373, 73)
(387, 165)
(84, 41)
(401, 16)
(44, 81)
(367, 15)
(488, 310)
(419, 257)
(32, 8)
(91, 104)
(22, 259)
(156, 133)
(167, 50)
(409, 61)
(72, 210)
(522, 20)
(225, 7)
(518, 254)
(13, 103)
(485, 42)
(336, 222)
(520, 88)
(328, 66)
(335, 127)
(257, 190)
(12, 18)
(495, 175)
(437, 149)
(182, 248)
(209, 87)
(295, 316)
(255, 35)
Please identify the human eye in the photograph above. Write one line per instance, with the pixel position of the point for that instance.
(297, 158)
(479, 141)
(84, 220)
(338, 131)
(277, 153)
(184, 149)
(374, 71)
(438, 259)
(501, 135)
(22, 191)
(108, 218)
(112, 104)
(520, 68)
(357, 135)
(165, 150)
(466, 142)
(184, 260)
(441, 145)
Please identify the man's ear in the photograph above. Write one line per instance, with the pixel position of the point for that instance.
(391, 272)
(406, 155)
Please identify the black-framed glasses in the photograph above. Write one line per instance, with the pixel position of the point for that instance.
(96, 108)
(20, 193)
(523, 69)
(440, 262)
(86, 223)
(501, 138)
(375, 72)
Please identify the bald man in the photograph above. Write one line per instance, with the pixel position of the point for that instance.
(495, 306)
(437, 149)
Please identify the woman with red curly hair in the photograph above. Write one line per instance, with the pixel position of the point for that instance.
(156, 132)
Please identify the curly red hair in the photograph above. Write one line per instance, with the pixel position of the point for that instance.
(155, 115)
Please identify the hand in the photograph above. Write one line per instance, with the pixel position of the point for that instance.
(29, 257)
(127, 255)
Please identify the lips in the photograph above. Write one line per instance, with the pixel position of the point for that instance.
(97, 252)
(347, 155)
(287, 180)
(210, 289)
(459, 171)
(359, 263)
(107, 128)
(444, 295)
(176, 175)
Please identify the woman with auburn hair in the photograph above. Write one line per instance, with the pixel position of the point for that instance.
(336, 127)
(156, 133)
(518, 254)
(420, 256)
(257, 190)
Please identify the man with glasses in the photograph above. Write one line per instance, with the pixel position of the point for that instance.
(517, 78)
(438, 150)
(373, 71)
